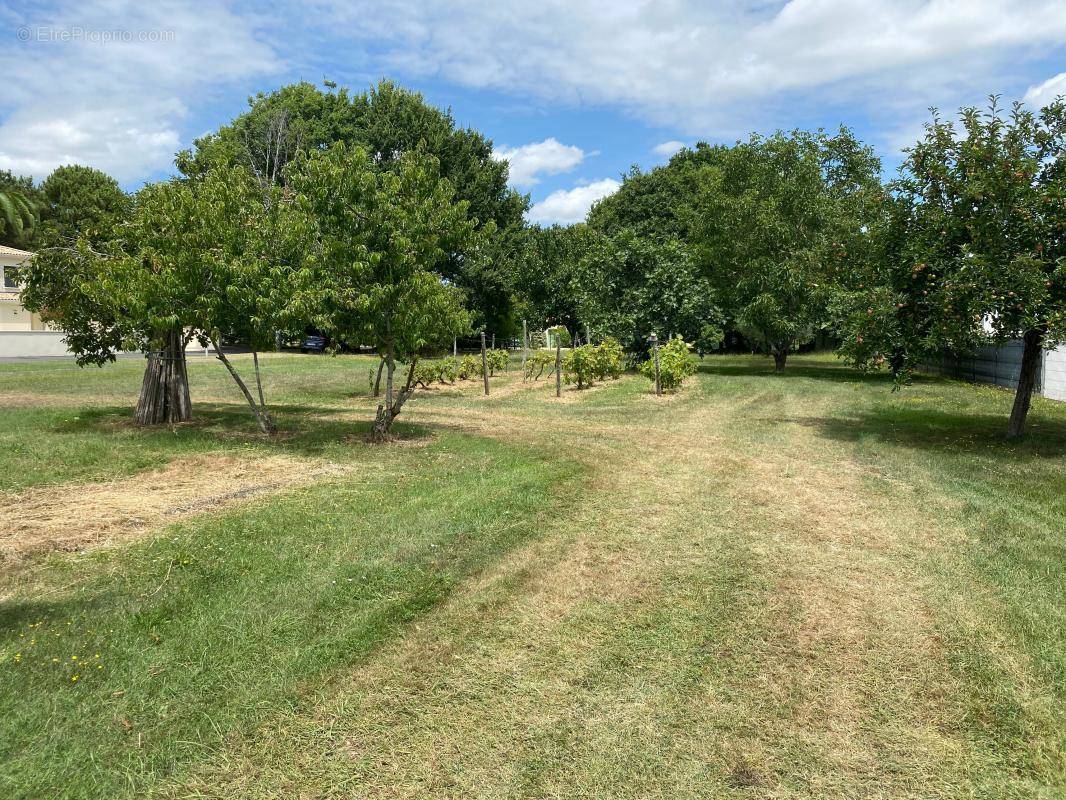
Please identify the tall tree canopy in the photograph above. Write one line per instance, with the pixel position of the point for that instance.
(221, 255)
(776, 222)
(81, 201)
(215, 256)
(83, 212)
(545, 274)
(976, 251)
(383, 238)
(657, 203)
(387, 122)
(630, 285)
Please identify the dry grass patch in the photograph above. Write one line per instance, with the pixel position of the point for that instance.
(78, 516)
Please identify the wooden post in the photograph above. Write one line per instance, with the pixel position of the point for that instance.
(484, 363)
(525, 347)
(655, 355)
(455, 347)
(558, 366)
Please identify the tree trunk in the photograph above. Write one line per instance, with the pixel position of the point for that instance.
(390, 409)
(525, 348)
(164, 397)
(258, 380)
(779, 360)
(377, 381)
(1034, 345)
(262, 417)
(896, 362)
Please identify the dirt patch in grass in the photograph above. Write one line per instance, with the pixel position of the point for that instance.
(78, 516)
(43, 400)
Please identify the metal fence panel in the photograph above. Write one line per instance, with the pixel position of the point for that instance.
(999, 366)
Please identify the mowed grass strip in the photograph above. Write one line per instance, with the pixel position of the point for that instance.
(121, 667)
(798, 585)
(766, 590)
(61, 423)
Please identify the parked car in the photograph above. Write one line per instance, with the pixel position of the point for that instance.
(313, 344)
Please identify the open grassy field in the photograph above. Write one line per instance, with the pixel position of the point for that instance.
(798, 585)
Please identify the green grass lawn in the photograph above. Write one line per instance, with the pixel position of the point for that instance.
(798, 585)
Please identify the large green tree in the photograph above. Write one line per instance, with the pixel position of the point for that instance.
(81, 201)
(976, 252)
(545, 274)
(384, 237)
(217, 256)
(777, 221)
(83, 211)
(387, 122)
(631, 285)
(657, 203)
(204, 258)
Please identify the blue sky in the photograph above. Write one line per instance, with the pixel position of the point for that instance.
(571, 93)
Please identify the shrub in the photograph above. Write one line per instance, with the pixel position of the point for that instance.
(449, 370)
(609, 359)
(427, 372)
(497, 359)
(674, 364)
(579, 365)
(470, 368)
(590, 363)
(538, 361)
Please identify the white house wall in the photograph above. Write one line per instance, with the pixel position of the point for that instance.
(26, 344)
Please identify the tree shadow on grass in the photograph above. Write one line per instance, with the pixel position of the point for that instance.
(838, 373)
(948, 431)
(302, 429)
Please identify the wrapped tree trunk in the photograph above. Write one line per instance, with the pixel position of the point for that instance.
(164, 397)
(1034, 345)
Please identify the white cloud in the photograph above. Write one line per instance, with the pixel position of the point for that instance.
(713, 68)
(528, 162)
(116, 105)
(1046, 92)
(718, 68)
(567, 206)
(667, 149)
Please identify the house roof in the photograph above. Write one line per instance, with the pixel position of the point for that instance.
(11, 251)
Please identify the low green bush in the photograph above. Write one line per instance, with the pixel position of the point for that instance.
(470, 367)
(538, 361)
(497, 359)
(675, 364)
(594, 362)
(579, 365)
(426, 372)
(449, 370)
(610, 359)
